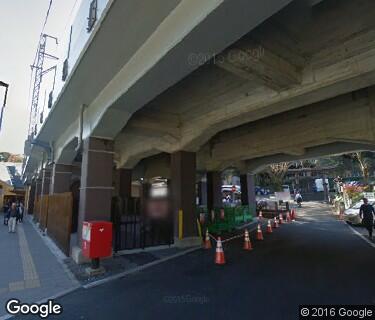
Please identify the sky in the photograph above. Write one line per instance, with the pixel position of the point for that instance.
(21, 23)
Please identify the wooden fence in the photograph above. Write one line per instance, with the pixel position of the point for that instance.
(43, 212)
(36, 208)
(54, 213)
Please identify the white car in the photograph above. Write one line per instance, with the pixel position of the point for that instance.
(352, 214)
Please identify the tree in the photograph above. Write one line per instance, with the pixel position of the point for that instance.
(364, 164)
(4, 156)
(228, 175)
(15, 158)
(276, 173)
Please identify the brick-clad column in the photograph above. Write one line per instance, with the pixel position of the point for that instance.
(183, 170)
(61, 178)
(96, 181)
(214, 195)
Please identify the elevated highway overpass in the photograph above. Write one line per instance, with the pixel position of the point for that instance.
(173, 87)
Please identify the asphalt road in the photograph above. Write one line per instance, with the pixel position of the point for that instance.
(316, 260)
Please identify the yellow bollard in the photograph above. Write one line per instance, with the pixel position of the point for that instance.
(180, 224)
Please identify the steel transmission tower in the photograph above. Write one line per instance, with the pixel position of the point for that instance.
(37, 67)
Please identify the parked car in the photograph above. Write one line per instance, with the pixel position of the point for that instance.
(351, 215)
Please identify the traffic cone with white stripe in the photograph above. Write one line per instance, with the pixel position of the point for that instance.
(269, 227)
(288, 219)
(275, 223)
(280, 218)
(207, 241)
(219, 256)
(259, 233)
(294, 215)
(260, 216)
(247, 244)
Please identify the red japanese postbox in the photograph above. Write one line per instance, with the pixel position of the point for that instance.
(97, 239)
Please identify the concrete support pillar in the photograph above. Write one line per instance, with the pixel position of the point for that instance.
(248, 190)
(46, 180)
(61, 178)
(183, 167)
(96, 181)
(214, 194)
(31, 198)
(125, 183)
(124, 187)
(202, 192)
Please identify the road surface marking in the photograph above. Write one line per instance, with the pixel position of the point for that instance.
(362, 236)
(30, 275)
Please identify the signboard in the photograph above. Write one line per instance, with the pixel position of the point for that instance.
(86, 232)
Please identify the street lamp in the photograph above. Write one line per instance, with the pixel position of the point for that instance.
(3, 84)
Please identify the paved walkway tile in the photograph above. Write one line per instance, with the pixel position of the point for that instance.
(28, 270)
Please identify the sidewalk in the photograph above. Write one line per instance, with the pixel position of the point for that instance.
(28, 269)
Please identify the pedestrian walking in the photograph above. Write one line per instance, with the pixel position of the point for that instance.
(12, 221)
(367, 214)
(21, 210)
(6, 216)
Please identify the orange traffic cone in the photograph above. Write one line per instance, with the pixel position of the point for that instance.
(288, 217)
(207, 241)
(280, 218)
(219, 257)
(247, 244)
(275, 223)
(259, 233)
(292, 215)
(269, 227)
(260, 216)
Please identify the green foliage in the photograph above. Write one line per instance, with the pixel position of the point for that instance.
(8, 157)
(4, 156)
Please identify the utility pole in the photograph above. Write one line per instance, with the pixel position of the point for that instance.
(6, 85)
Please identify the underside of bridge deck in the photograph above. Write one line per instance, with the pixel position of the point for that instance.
(299, 81)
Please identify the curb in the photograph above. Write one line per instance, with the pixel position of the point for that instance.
(372, 244)
(143, 267)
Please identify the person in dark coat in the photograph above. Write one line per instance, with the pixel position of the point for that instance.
(13, 215)
(367, 214)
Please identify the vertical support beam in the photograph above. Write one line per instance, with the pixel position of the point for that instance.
(244, 191)
(248, 190)
(125, 183)
(46, 180)
(202, 192)
(183, 167)
(96, 181)
(38, 187)
(61, 178)
(214, 195)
